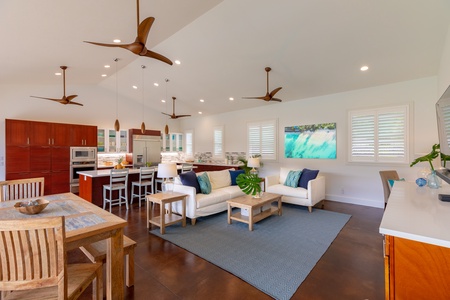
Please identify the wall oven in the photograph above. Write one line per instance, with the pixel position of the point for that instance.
(81, 159)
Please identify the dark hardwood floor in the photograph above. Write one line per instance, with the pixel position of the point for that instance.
(351, 268)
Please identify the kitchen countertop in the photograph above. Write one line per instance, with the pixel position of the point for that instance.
(417, 214)
(107, 172)
(209, 164)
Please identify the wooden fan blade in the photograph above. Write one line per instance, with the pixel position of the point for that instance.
(135, 47)
(259, 98)
(70, 97)
(158, 57)
(144, 29)
(51, 99)
(76, 103)
(181, 116)
(276, 99)
(167, 114)
(272, 93)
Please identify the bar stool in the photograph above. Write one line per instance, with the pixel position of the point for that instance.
(146, 179)
(118, 181)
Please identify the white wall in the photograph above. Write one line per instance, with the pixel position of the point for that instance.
(444, 70)
(358, 184)
(99, 109)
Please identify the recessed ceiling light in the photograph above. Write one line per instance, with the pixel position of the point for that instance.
(364, 68)
(199, 112)
(201, 100)
(163, 101)
(156, 84)
(104, 75)
(107, 66)
(177, 62)
(116, 41)
(231, 98)
(134, 87)
(58, 74)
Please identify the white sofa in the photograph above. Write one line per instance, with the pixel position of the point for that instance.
(300, 196)
(199, 205)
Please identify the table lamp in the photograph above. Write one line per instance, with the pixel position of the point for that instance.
(253, 162)
(167, 171)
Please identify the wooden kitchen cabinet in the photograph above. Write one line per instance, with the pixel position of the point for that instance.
(84, 135)
(17, 132)
(416, 270)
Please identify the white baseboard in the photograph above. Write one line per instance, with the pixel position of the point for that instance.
(357, 201)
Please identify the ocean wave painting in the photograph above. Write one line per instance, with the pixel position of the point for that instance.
(310, 141)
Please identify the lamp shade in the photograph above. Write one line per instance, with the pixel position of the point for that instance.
(253, 162)
(167, 170)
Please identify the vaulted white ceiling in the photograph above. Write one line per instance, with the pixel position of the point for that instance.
(313, 47)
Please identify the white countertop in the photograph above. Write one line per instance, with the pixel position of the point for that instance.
(107, 172)
(417, 214)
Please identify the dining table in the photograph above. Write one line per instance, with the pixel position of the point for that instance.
(85, 223)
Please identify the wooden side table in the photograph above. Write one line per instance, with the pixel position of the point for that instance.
(165, 219)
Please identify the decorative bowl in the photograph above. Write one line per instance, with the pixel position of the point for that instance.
(31, 207)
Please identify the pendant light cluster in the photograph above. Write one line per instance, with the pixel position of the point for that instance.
(143, 105)
(116, 123)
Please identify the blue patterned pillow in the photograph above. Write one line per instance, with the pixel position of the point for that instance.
(292, 178)
(205, 185)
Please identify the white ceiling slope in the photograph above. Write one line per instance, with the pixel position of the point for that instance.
(313, 47)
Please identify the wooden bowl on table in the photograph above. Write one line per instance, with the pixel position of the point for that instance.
(31, 207)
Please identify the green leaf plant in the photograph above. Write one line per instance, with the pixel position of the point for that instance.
(249, 183)
(435, 151)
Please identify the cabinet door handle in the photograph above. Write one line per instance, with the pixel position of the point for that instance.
(28, 140)
(49, 141)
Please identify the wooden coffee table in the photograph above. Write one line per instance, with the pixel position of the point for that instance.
(255, 209)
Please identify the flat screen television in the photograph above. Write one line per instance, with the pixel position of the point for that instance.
(443, 122)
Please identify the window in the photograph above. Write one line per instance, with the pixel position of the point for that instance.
(262, 139)
(218, 142)
(189, 149)
(379, 135)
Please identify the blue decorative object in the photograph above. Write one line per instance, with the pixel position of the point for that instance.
(421, 182)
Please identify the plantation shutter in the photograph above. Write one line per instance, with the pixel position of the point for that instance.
(189, 143)
(379, 135)
(218, 141)
(262, 139)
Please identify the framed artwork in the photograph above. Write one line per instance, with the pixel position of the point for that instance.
(310, 141)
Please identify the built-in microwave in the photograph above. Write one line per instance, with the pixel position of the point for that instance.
(83, 154)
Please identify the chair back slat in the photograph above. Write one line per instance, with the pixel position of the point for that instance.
(146, 173)
(32, 253)
(119, 175)
(21, 189)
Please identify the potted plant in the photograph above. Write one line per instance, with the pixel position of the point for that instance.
(249, 184)
(432, 180)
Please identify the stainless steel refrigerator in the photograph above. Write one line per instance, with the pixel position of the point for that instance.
(146, 149)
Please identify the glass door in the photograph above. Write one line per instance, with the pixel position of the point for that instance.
(101, 140)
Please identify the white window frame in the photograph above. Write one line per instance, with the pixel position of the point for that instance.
(218, 142)
(262, 139)
(379, 135)
(189, 142)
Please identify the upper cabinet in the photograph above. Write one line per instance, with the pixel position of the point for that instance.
(31, 133)
(172, 142)
(109, 140)
(84, 135)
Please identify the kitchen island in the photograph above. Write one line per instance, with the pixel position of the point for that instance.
(416, 226)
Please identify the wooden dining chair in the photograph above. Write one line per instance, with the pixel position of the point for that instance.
(385, 177)
(34, 264)
(21, 189)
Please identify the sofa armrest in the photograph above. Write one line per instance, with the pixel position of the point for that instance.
(191, 203)
(316, 189)
(271, 180)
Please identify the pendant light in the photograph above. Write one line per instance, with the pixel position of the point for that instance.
(166, 129)
(116, 123)
(143, 106)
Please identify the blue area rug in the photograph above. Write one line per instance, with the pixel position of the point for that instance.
(275, 257)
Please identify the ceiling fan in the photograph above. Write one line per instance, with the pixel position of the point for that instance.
(138, 46)
(64, 99)
(173, 115)
(268, 96)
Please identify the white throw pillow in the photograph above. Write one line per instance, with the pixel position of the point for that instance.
(219, 179)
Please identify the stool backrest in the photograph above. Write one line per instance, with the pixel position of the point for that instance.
(186, 168)
(118, 176)
(147, 174)
(21, 189)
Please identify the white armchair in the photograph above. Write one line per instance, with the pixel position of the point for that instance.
(307, 197)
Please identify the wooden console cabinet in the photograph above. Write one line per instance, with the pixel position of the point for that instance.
(416, 229)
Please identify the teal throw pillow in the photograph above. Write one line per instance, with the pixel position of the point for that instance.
(292, 178)
(205, 185)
